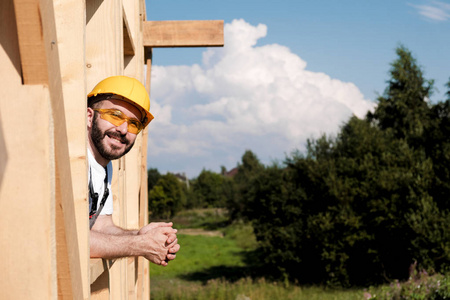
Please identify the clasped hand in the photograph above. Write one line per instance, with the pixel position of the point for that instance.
(160, 242)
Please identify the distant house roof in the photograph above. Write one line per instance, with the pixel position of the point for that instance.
(230, 173)
(181, 177)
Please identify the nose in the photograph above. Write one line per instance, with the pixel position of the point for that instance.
(123, 128)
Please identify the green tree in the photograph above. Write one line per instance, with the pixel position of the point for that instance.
(153, 176)
(403, 108)
(362, 207)
(247, 170)
(159, 203)
(208, 190)
(167, 197)
(437, 147)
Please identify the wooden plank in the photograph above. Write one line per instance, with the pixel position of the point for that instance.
(27, 263)
(97, 267)
(148, 56)
(133, 65)
(100, 287)
(67, 252)
(143, 265)
(104, 40)
(183, 34)
(133, 180)
(31, 42)
(70, 20)
(128, 43)
(9, 39)
(131, 278)
(133, 160)
(104, 58)
(64, 276)
(118, 272)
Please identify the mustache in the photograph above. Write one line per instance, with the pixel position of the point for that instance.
(115, 134)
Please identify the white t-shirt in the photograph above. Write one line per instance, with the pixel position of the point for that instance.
(98, 182)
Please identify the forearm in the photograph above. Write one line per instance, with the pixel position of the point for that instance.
(114, 230)
(153, 241)
(111, 246)
(105, 225)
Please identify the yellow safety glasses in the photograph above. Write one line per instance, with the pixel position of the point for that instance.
(117, 118)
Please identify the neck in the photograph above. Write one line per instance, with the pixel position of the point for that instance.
(100, 159)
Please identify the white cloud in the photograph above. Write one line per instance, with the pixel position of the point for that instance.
(243, 97)
(435, 10)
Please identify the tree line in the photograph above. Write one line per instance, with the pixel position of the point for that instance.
(356, 209)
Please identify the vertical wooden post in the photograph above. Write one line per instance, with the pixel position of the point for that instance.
(39, 238)
(27, 244)
(70, 41)
(104, 58)
(143, 265)
(67, 253)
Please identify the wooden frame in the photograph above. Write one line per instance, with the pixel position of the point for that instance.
(163, 34)
(48, 65)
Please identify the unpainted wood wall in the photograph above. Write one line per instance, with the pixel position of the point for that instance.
(52, 53)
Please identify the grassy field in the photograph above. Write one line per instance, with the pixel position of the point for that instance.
(215, 267)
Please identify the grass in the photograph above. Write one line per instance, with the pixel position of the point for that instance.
(216, 267)
(205, 218)
(197, 255)
(211, 267)
(247, 289)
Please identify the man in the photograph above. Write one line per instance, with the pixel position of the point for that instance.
(118, 109)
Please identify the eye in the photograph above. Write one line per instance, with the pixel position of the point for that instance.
(116, 114)
(135, 123)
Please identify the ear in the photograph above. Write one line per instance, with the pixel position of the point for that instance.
(90, 117)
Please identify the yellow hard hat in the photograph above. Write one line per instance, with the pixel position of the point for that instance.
(131, 89)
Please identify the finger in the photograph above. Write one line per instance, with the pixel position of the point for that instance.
(164, 263)
(171, 256)
(175, 248)
(154, 225)
(158, 224)
(175, 241)
(168, 230)
(161, 224)
(171, 238)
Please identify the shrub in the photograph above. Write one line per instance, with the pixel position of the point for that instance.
(420, 285)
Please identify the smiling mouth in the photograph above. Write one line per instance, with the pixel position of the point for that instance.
(116, 138)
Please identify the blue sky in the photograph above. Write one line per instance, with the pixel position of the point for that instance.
(309, 65)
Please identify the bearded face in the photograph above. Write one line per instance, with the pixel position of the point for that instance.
(109, 151)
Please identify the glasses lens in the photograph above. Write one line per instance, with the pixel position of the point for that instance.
(134, 126)
(114, 117)
(117, 118)
(132, 129)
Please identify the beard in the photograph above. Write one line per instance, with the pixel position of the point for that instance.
(98, 137)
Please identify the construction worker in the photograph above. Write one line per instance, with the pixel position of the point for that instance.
(118, 109)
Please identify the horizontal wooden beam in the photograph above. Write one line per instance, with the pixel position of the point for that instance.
(163, 34)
